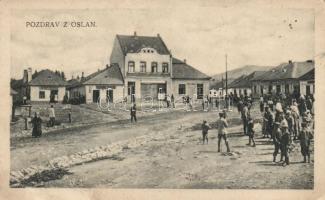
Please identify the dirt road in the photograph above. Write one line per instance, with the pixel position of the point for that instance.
(174, 159)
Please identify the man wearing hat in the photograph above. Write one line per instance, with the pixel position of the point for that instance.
(290, 121)
(268, 120)
(305, 136)
(276, 140)
(284, 141)
(244, 117)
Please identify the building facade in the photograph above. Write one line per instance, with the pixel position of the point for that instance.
(285, 79)
(45, 87)
(104, 85)
(149, 70)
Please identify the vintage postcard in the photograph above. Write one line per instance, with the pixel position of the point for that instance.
(152, 96)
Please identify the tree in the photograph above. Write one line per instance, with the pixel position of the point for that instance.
(62, 75)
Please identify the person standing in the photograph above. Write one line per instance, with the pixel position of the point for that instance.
(250, 131)
(37, 125)
(168, 101)
(305, 136)
(268, 120)
(261, 104)
(285, 141)
(172, 99)
(290, 121)
(276, 140)
(134, 113)
(222, 131)
(244, 117)
(205, 128)
(52, 116)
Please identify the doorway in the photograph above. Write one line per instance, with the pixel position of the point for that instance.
(95, 96)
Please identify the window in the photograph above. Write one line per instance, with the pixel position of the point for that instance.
(308, 90)
(255, 89)
(286, 88)
(143, 67)
(42, 94)
(181, 89)
(278, 89)
(131, 66)
(270, 88)
(200, 91)
(154, 67)
(245, 92)
(261, 89)
(165, 67)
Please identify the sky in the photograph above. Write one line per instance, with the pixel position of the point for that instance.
(202, 35)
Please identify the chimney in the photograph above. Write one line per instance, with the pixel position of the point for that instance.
(107, 66)
(78, 78)
(82, 74)
(135, 33)
(185, 61)
(290, 61)
(29, 74)
(158, 35)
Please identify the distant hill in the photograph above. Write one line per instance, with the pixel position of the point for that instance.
(235, 73)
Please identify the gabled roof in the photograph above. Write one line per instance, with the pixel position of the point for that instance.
(309, 75)
(47, 78)
(73, 83)
(109, 76)
(245, 81)
(133, 43)
(181, 70)
(292, 70)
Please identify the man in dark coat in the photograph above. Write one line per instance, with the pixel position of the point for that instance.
(305, 136)
(276, 140)
(268, 120)
(134, 113)
(205, 129)
(244, 117)
(37, 126)
(285, 141)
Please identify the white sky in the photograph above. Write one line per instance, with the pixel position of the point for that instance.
(202, 35)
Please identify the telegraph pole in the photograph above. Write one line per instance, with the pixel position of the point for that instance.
(226, 77)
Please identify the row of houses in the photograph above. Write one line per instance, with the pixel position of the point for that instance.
(287, 78)
(140, 67)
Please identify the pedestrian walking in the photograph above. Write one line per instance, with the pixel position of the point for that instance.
(277, 134)
(261, 104)
(205, 129)
(285, 142)
(222, 131)
(250, 131)
(305, 137)
(134, 113)
(37, 125)
(52, 116)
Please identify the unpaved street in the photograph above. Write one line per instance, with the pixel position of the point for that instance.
(175, 158)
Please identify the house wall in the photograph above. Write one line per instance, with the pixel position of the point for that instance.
(191, 87)
(117, 92)
(74, 92)
(304, 84)
(266, 84)
(148, 58)
(241, 91)
(34, 93)
(117, 56)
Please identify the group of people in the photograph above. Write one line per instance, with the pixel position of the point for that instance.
(37, 122)
(283, 122)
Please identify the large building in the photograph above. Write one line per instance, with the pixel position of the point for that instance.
(288, 78)
(149, 70)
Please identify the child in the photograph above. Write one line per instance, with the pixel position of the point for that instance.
(250, 130)
(205, 129)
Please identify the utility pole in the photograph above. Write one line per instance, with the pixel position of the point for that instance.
(226, 77)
